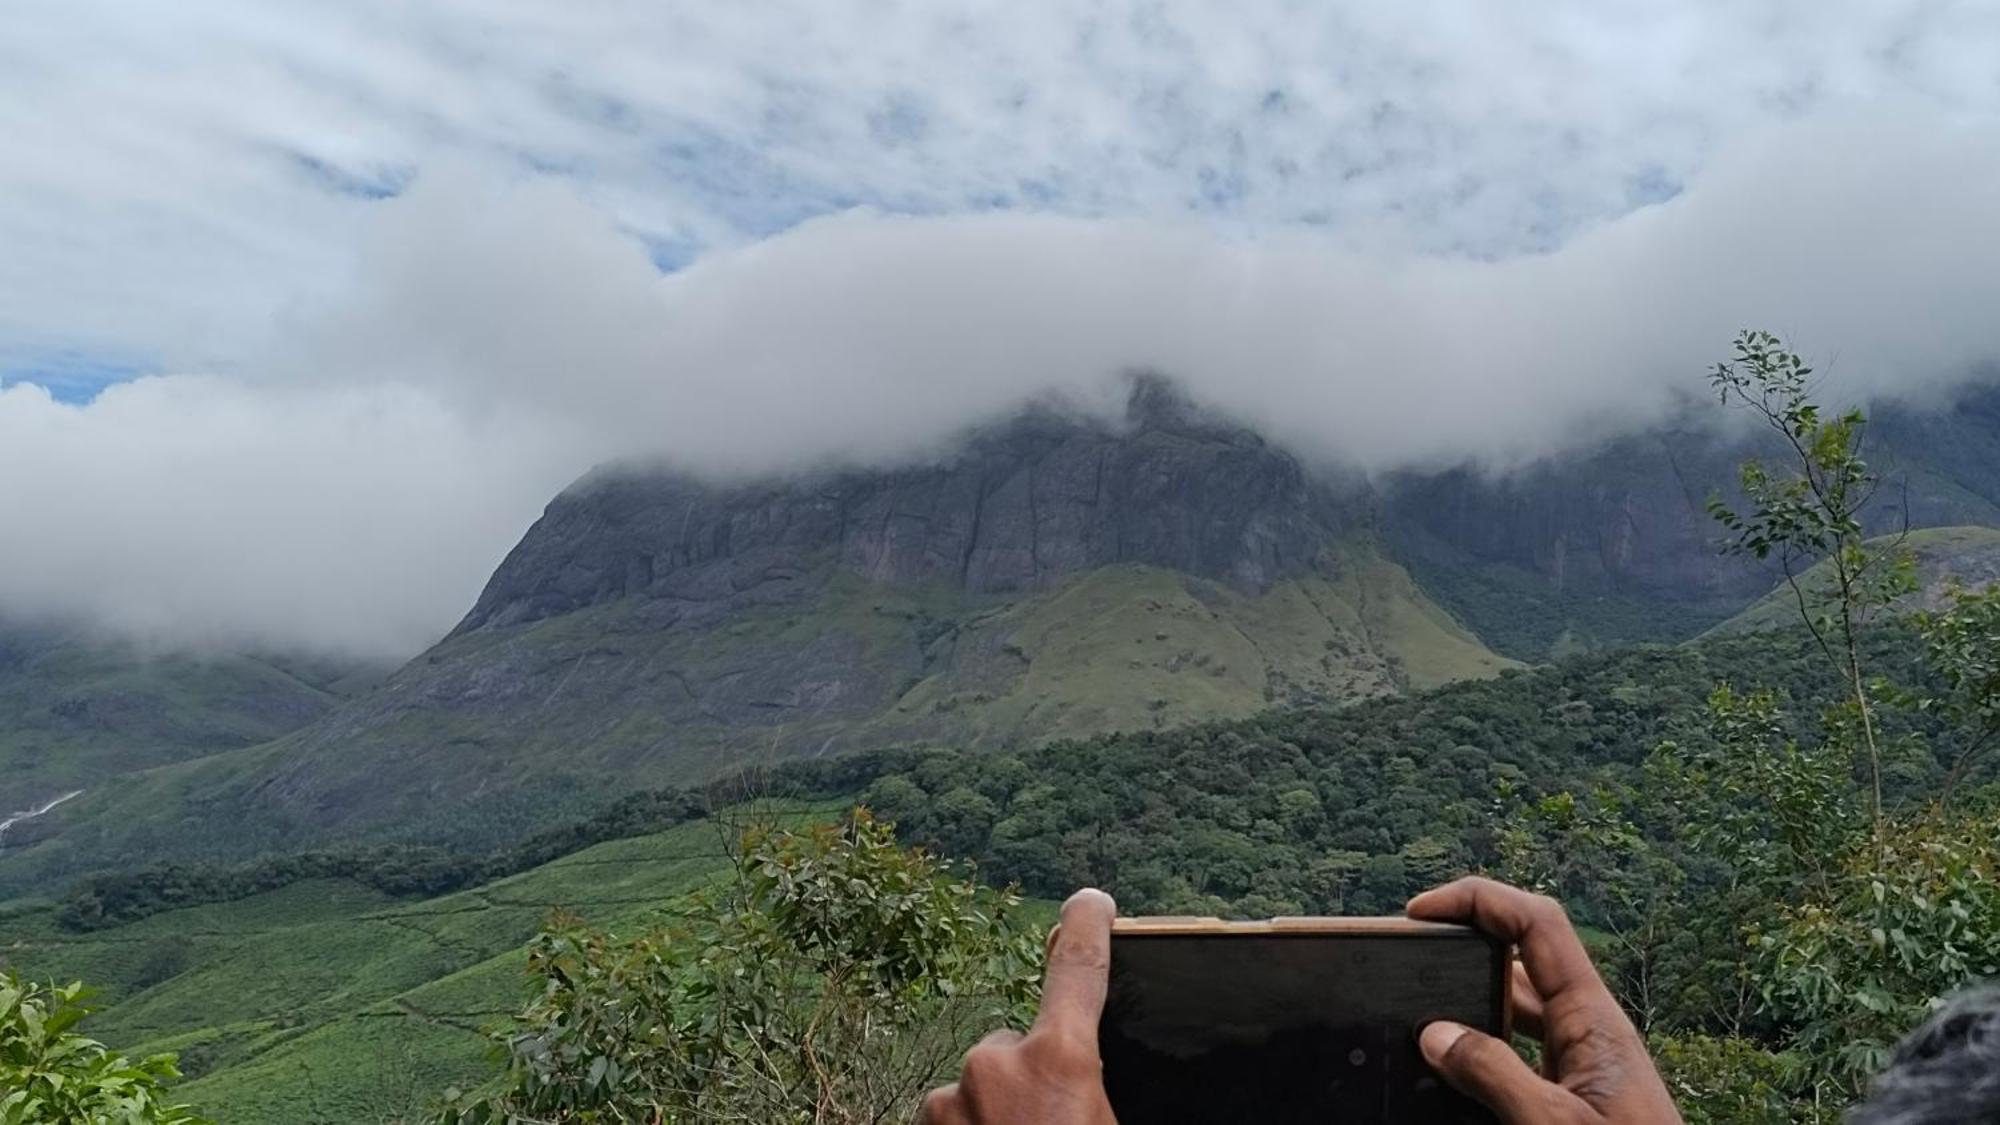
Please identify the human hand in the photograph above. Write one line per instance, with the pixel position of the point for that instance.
(1595, 1067)
(1051, 1075)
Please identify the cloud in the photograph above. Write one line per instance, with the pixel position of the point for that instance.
(416, 252)
(867, 336)
(177, 175)
(191, 512)
(497, 341)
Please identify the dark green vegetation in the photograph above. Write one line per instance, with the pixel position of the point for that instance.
(114, 899)
(326, 1000)
(1158, 815)
(1345, 811)
(836, 971)
(1514, 610)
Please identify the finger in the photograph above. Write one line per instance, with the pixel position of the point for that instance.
(996, 1040)
(1554, 955)
(943, 1106)
(1527, 1003)
(986, 1073)
(1079, 965)
(1489, 1072)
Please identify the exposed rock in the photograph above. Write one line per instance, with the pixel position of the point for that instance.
(1020, 508)
(1617, 541)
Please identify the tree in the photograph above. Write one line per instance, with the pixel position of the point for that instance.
(1816, 914)
(1811, 512)
(834, 979)
(1880, 911)
(49, 1073)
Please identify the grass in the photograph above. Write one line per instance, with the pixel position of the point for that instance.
(327, 1001)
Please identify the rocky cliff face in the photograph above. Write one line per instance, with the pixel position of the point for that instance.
(1616, 544)
(1020, 508)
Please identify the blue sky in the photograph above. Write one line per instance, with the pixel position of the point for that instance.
(73, 379)
(306, 308)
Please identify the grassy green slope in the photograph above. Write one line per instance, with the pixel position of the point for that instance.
(497, 732)
(324, 1001)
(864, 665)
(1131, 647)
(1969, 555)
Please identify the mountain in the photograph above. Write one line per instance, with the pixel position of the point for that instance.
(80, 709)
(1614, 544)
(1051, 575)
(1944, 556)
(1055, 575)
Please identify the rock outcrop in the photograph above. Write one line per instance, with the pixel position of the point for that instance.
(1020, 508)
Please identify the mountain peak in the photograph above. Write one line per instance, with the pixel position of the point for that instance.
(1157, 402)
(1016, 507)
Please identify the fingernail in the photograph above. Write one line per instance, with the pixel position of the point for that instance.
(1437, 1038)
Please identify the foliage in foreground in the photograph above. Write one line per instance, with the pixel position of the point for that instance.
(835, 979)
(49, 1073)
(1779, 915)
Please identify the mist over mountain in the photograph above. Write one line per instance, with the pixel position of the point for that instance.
(1051, 575)
(348, 485)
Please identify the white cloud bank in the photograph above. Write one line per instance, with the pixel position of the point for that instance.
(496, 342)
(1388, 234)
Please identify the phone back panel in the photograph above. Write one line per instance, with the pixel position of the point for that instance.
(1295, 1020)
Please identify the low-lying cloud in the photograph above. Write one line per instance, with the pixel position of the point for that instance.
(495, 342)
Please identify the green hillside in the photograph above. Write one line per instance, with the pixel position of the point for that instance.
(325, 1001)
(1968, 555)
(500, 731)
(79, 711)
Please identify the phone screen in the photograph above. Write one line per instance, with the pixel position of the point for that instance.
(1287, 1027)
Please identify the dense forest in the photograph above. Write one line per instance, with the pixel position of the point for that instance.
(1296, 810)
(1348, 811)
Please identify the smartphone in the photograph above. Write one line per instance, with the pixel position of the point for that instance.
(1292, 1019)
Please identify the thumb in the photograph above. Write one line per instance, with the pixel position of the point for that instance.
(1489, 1072)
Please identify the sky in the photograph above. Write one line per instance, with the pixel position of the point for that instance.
(306, 309)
